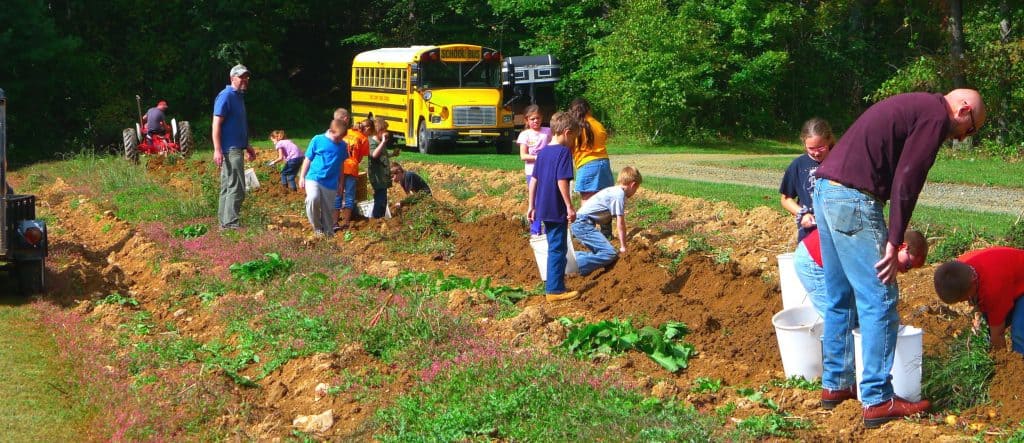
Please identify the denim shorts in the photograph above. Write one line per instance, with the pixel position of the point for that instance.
(594, 176)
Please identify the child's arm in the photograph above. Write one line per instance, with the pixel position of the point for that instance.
(280, 157)
(524, 153)
(529, 198)
(620, 222)
(379, 150)
(302, 173)
(563, 188)
(998, 338)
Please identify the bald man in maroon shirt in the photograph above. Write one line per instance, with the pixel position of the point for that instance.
(884, 157)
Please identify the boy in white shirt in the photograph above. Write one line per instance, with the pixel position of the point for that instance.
(598, 210)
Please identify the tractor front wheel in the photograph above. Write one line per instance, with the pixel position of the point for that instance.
(185, 141)
(131, 145)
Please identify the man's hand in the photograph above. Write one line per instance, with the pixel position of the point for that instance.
(889, 264)
(218, 157)
(251, 153)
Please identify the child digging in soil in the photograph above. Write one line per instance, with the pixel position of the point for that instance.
(319, 174)
(379, 170)
(599, 210)
(288, 153)
(992, 281)
(549, 200)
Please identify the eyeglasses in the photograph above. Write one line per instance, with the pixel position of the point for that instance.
(974, 127)
(821, 148)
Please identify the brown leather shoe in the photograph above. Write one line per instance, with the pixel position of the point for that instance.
(892, 409)
(563, 296)
(832, 398)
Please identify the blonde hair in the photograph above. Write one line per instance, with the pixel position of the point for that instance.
(380, 124)
(278, 134)
(341, 114)
(817, 127)
(563, 121)
(629, 175)
(339, 125)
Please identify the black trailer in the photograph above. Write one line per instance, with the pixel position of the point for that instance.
(530, 80)
(23, 245)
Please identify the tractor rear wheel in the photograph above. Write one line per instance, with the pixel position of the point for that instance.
(185, 141)
(31, 275)
(131, 145)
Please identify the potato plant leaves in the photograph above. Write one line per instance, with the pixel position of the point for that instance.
(663, 344)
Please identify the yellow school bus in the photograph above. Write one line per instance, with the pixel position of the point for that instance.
(433, 96)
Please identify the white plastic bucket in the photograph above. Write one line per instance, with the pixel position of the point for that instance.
(906, 365)
(366, 209)
(539, 243)
(793, 292)
(251, 182)
(798, 330)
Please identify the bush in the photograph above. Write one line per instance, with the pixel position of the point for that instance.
(952, 246)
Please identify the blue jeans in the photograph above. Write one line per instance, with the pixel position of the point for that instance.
(812, 277)
(1015, 321)
(853, 237)
(535, 228)
(557, 234)
(601, 254)
(291, 167)
(348, 199)
(380, 202)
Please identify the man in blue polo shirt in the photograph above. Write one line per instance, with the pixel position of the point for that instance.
(230, 138)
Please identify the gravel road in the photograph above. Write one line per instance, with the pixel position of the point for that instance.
(942, 195)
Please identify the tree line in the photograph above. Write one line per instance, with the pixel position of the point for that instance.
(656, 70)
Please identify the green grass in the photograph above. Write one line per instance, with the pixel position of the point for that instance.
(980, 171)
(958, 378)
(39, 403)
(534, 399)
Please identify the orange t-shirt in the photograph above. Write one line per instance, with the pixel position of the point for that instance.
(583, 153)
(358, 147)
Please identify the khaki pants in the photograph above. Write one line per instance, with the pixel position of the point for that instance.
(232, 188)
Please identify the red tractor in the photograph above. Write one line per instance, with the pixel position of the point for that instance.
(176, 138)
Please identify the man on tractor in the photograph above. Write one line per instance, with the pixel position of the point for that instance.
(155, 119)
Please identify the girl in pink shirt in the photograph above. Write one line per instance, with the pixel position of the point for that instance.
(531, 141)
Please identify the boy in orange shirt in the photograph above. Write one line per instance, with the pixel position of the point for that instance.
(358, 147)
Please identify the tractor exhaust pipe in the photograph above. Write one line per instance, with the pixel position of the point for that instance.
(138, 107)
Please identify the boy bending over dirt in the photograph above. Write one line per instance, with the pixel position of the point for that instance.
(599, 209)
(992, 281)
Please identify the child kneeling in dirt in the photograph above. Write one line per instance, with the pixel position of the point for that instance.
(549, 200)
(319, 175)
(599, 210)
(992, 281)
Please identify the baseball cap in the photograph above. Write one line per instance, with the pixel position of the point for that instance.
(239, 70)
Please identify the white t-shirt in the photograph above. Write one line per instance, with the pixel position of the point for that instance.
(605, 205)
(534, 141)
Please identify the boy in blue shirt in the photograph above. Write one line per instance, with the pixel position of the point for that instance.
(319, 176)
(607, 204)
(549, 200)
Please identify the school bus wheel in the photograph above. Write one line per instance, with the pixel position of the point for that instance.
(423, 141)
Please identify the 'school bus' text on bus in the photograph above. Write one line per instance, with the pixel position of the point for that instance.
(434, 95)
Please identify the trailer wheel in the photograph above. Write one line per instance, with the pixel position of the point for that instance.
(185, 141)
(31, 275)
(131, 145)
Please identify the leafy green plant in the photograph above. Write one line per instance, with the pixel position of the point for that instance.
(192, 231)
(1015, 235)
(261, 270)
(958, 378)
(772, 425)
(955, 243)
(459, 188)
(118, 299)
(723, 256)
(664, 344)
(798, 382)
(497, 191)
(706, 384)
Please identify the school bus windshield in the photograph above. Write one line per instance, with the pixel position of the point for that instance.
(460, 75)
